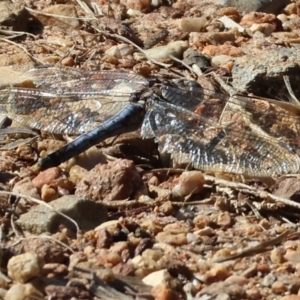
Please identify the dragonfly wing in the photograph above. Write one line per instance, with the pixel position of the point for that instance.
(84, 83)
(187, 94)
(69, 101)
(57, 114)
(268, 117)
(214, 147)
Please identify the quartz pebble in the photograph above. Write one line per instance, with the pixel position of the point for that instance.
(189, 183)
(24, 267)
(269, 279)
(156, 277)
(229, 24)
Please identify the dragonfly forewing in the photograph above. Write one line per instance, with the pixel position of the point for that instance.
(67, 101)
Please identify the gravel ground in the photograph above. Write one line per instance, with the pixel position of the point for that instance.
(92, 229)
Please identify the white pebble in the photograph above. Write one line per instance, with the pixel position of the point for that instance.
(265, 28)
(189, 183)
(120, 50)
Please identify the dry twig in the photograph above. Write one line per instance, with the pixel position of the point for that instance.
(58, 16)
(122, 38)
(262, 247)
(24, 49)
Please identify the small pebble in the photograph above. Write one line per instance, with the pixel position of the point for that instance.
(156, 277)
(253, 293)
(68, 61)
(278, 288)
(193, 24)
(265, 28)
(179, 227)
(220, 60)
(23, 291)
(268, 280)
(153, 254)
(223, 296)
(189, 183)
(107, 258)
(276, 256)
(290, 9)
(163, 52)
(191, 237)
(218, 272)
(224, 219)
(206, 231)
(119, 51)
(139, 5)
(24, 267)
(163, 292)
(292, 256)
(282, 17)
(172, 239)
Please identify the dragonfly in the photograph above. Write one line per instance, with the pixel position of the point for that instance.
(205, 130)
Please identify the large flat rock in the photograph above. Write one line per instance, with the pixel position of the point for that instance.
(87, 213)
(262, 74)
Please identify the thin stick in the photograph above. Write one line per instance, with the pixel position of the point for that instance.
(117, 36)
(262, 247)
(14, 34)
(238, 186)
(251, 190)
(290, 90)
(183, 63)
(58, 16)
(24, 49)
